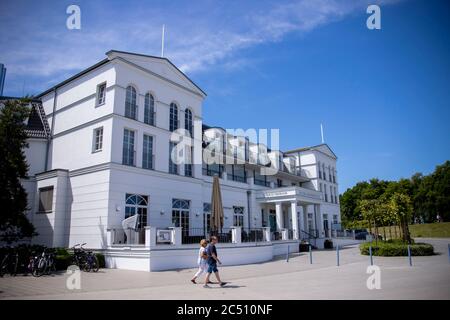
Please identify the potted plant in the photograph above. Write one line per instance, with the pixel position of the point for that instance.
(303, 246)
(328, 244)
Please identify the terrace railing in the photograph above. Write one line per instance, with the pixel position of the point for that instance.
(195, 235)
(252, 235)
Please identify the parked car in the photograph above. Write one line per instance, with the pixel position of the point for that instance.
(362, 234)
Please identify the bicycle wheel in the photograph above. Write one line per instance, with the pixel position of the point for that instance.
(14, 265)
(94, 263)
(40, 268)
(4, 266)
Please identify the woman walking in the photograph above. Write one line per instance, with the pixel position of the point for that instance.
(201, 260)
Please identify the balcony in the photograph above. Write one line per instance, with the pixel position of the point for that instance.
(289, 194)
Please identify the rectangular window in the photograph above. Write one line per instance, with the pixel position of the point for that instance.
(147, 152)
(180, 215)
(46, 199)
(320, 170)
(263, 219)
(213, 169)
(128, 156)
(260, 180)
(98, 139)
(279, 183)
(237, 173)
(173, 167)
(238, 216)
(188, 164)
(325, 222)
(335, 196)
(101, 94)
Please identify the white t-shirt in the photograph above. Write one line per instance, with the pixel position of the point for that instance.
(200, 259)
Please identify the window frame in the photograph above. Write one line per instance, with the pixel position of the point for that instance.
(97, 95)
(171, 163)
(174, 119)
(43, 189)
(135, 105)
(149, 109)
(189, 121)
(152, 155)
(94, 140)
(134, 147)
(238, 217)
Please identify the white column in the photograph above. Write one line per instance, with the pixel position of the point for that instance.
(266, 234)
(305, 212)
(150, 236)
(279, 215)
(318, 214)
(109, 237)
(176, 235)
(294, 220)
(236, 234)
(302, 224)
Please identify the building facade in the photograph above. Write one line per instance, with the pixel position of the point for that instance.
(102, 154)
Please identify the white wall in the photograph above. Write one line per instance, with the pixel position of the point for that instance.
(35, 155)
(74, 150)
(172, 257)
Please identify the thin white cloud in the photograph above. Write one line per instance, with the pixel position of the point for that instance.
(206, 36)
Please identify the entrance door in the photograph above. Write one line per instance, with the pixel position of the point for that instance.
(272, 221)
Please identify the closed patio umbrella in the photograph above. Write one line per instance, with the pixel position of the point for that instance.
(216, 206)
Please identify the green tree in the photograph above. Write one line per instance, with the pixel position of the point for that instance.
(372, 211)
(401, 207)
(14, 224)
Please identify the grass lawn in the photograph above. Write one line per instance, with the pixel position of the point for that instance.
(427, 230)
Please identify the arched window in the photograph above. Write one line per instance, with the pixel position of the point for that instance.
(173, 125)
(188, 121)
(149, 109)
(137, 204)
(130, 103)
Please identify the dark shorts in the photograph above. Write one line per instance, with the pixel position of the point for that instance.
(212, 268)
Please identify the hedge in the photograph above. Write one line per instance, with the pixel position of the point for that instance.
(396, 248)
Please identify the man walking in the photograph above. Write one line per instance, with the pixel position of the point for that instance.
(212, 261)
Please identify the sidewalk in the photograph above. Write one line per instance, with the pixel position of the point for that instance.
(429, 278)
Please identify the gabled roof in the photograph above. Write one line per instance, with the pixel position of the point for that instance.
(316, 148)
(162, 59)
(107, 60)
(37, 124)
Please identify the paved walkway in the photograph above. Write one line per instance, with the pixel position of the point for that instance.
(428, 278)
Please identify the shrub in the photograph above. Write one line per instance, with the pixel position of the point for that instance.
(63, 261)
(397, 248)
(303, 247)
(101, 260)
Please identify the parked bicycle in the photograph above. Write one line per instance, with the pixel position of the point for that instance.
(44, 264)
(85, 260)
(10, 262)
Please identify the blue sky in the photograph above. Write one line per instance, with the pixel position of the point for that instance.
(382, 95)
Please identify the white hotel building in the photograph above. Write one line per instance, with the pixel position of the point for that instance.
(99, 152)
